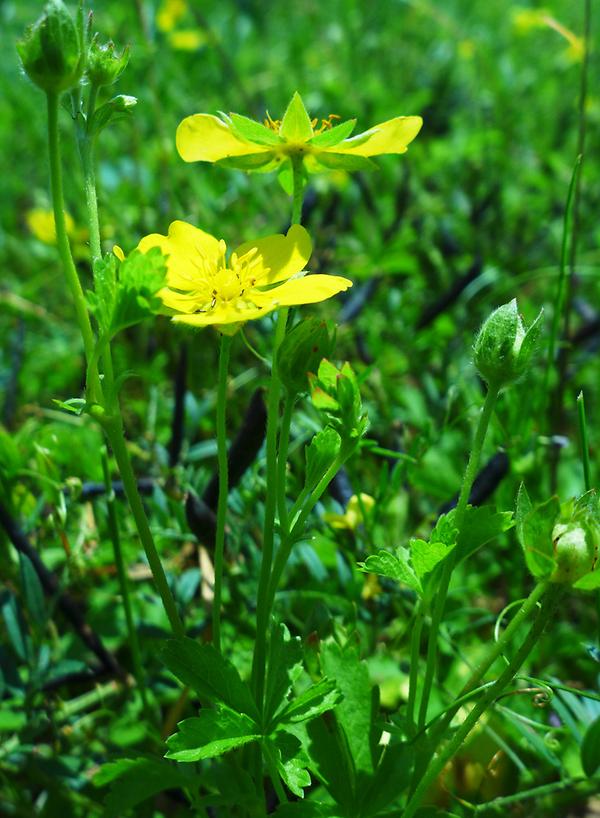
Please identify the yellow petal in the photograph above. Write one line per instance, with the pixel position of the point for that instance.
(118, 251)
(205, 138)
(223, 314)
(183, 245)
(389, 137)
(307, 290)
(284, 256)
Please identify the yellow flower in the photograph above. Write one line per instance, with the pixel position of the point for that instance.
(41, 224)
(353, 516)
(205, 287)
(170, 12)
(189, 39)
(239, 142)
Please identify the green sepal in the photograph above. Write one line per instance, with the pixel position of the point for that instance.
(343, 161)
(249, 163)
(534, 531)
(333, 136)
(116, 108)
(252, 131)
(296, 125)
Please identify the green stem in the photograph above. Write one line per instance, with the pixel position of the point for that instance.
(284, 442)
(492, 693)
(86, 151)
(583, 437)
(450, 562)
(113, 427)
(113, 527)
(297, 189)
(498, 649)
(590, 788)
(223, 486)
(262, 612)
(415, 650)
(287, 544)
(62, 240)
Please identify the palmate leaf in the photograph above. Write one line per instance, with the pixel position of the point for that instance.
(393, 566)
(214, 679)
(211, 734)
(291, 761)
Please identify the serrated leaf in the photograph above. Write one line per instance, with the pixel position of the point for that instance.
(333, 136)
(320, 454)
(590, 749)
(211, 734)
(424, 556)
(396, 567)
(482, 524)
(291, 761)
(283, 668)
(354, 713)
(296, 125)
(253, 131)
(316, 699)
(214, 679)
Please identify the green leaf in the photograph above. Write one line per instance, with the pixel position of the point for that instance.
(253, 131)
(481, 525)
(590, 749)
(534, 530)
(284, 668)
(316, 699)
(211, 734)
(396, 567)
(133, 780)
(308, 809)
(33, 591)
(424, 555)
(214, 679)
(333, 136)
(296, 125)
(291, 761)
(320, 454)
(114, 109)
(331, 761)
(354, 714)
(589, 582)
(392, 777)
(15, 625)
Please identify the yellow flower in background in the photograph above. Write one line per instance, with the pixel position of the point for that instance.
(353, 516)
(189, 39)
(169, 14)
(41, 223)
(206, 287)
(524, 20)
(239, 142)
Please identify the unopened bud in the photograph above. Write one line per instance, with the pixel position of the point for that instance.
(104, 65)
(574, 552)
(51, 50)
(503, 347)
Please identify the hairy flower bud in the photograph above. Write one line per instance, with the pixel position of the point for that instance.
(104, 65)
(503, 347)
(51, 50)
(574, 552)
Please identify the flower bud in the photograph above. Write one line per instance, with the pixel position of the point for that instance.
(574, 552)
(504, 347)
(301, 352)
(51, 50)
(104, 65)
